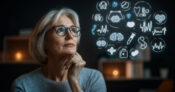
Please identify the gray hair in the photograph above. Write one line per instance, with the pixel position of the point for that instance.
(36, 42)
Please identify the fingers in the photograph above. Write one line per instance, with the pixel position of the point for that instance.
(75, 61)
(77, 58)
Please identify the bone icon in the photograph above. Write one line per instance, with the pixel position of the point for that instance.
(131, 38)
(142, 42)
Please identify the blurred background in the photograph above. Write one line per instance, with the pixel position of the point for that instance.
(19, 17)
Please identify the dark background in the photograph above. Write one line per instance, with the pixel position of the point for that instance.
(20, 14)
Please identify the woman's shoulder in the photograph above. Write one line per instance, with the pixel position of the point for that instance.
(92, 80)
(28, 76)
(90, 73)
(90, 70)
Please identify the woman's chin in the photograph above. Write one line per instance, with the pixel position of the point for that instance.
(69, 52)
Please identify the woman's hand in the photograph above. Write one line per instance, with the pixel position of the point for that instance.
(77, 64)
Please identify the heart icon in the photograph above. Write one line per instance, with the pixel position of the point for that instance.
(137, 11)
(160, 18)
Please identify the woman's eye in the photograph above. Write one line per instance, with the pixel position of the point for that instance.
(60, 30)
(75, 30)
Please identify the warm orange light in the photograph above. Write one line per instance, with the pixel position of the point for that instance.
(115, 73)
(18, 56)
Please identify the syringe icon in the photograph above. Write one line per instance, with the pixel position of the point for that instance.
(131, 38)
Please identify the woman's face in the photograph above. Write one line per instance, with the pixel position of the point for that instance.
(61, 45)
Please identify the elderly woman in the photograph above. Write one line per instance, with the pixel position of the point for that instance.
(54, 43)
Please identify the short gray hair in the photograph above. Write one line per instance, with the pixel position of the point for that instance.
(36, 42)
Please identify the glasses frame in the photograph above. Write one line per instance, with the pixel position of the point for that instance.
(70, 30)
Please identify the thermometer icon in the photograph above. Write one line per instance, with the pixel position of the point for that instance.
(131, 38)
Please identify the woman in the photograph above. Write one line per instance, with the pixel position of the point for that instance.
(54, 44)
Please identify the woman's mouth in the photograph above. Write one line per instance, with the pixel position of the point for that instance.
(69, 45)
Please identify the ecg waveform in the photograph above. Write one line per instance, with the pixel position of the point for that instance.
(104, 29)
(146, 27)
(158, 46)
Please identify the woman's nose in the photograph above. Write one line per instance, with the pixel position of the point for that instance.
(68, 35)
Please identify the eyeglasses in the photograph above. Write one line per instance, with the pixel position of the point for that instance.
(62, 30)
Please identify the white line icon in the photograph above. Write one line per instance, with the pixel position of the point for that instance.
(98, 17)
(158, 45)
(130, 24)
(142, 10)
(113, 36)
(134, 53)
(103, 30)
(160, 17)
(131, 38)
(111, 50)
(123, 53)
(125, 5)
(114, 18)
(143, 43)
(101, 42)
(120, 37)
(158, 31)
(146, 27)
(116, 36)
(102, 5)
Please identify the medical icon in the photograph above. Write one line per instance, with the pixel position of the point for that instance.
(102, 5)
(146, 27)
(101, 43)
(103, 30)
(125, 5)
(158, 31)
(114, 18)
(120, 37)
(111, 50)
(134, 52)
(143, 41)
(160, 17)
(128, 15)
(116, 36)
(114, 4)
(142, 10)
(130, 38)
(123, 53)
(158, 45)
(97, 17)
(130, 24)
(113, 36)
(93, 29)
